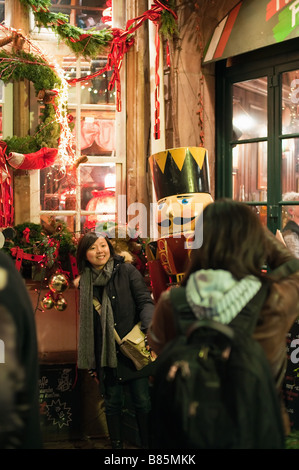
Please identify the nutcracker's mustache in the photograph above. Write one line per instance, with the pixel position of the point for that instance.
(176, 221)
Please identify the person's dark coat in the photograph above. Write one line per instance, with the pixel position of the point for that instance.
(17, 310)
(131, 302)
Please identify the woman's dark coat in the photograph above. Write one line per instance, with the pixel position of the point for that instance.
(131, 302)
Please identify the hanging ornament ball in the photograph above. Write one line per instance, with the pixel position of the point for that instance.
(61, 304)
(58, 283)
(47, 302)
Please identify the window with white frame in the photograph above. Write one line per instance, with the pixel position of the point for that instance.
(85, 195)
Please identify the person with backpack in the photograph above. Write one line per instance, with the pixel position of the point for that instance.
(241, 271)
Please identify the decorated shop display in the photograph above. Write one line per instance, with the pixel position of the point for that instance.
(182, 186)
(44, 253)
(40, 250)
(92, 43)
(51, 143)
(21, 58)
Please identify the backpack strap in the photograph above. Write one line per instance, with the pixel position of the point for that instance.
(184, 316)
(245, 321)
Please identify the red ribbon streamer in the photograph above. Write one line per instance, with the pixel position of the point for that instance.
(6, 196)
(167, 54)
(21, 255)
(157, 90)
(120, 45)
(26, 232)
(74, 267)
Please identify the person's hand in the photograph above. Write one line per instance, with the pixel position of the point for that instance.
(153, 355)
(76, 281)
(280, 237)
(93, 374)
(277, 252)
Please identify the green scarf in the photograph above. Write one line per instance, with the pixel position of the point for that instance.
(86, 357)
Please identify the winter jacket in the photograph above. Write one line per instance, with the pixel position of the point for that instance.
(131, 302)
(278, 314)
(22, 351)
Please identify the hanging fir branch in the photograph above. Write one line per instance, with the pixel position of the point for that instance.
(89, 44)
(168, 22)
(92, 43)
(19, 65)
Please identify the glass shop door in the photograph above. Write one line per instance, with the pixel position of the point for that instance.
(257, 158)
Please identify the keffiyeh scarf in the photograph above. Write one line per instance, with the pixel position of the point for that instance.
(217, 295)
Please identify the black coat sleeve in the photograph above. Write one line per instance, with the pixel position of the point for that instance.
(15, 299)
(142, 297)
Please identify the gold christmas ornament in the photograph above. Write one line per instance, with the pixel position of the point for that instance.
(60, 304)
(47, 302)
(58, 283)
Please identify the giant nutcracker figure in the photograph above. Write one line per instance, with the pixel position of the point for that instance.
(182, 186)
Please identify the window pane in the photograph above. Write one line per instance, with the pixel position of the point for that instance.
(69, 221)
(95, 90)
(262, 213)
(82, 13)
(290, 100)
(2, 11)
(250, 172)
(97, 184)
(97, 132)
(69, 65)
(57, 190)
(250, 109)
(290, 165)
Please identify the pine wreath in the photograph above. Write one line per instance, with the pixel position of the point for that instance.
(19, 65)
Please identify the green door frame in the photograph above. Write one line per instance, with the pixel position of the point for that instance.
(269, 62)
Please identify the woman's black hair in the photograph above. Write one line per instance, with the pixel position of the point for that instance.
(85, 242)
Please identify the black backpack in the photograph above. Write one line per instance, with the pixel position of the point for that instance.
(213, 388)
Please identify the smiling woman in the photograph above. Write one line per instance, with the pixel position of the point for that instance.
(99, 253)
(124, 299)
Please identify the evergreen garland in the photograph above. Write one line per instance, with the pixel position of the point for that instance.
(22, 65)
(91, 43)
(168, 24)
(92, 46)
